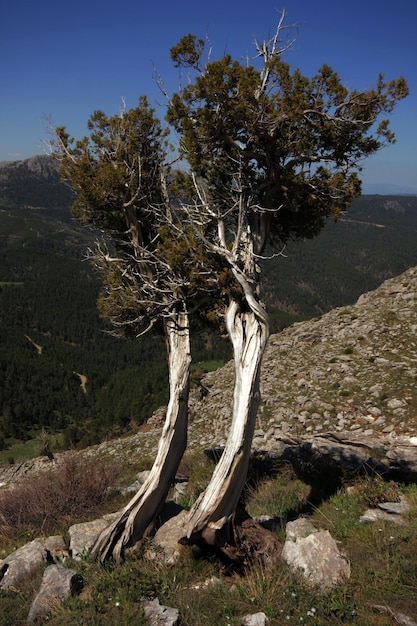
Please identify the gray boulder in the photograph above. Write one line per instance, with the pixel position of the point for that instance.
(22, 563)
(83, 536)
(58, 583)
(165, 547)
(315, 554)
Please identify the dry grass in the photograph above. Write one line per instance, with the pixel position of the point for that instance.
(75, 489)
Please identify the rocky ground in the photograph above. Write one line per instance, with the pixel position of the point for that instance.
(353, 369)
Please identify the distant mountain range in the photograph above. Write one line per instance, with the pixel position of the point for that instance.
(34, 182)
(388, 189)
(46, 168)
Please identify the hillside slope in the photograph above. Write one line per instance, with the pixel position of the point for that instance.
(374, 240)
(353, 369)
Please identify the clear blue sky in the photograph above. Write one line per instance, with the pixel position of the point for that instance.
(65, 59)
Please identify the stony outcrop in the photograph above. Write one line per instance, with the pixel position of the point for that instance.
(352, 370)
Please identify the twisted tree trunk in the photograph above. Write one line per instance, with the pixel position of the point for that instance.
(137, 518)
(212, 514)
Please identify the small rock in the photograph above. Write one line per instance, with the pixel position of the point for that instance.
(56, 548)
(377, 515)
(180, 491)
(348, 381)
(159, 615)
(399, 617)
(394, 403)
(380, 421)
(374, 411)
(270, 434)
(214, 581)
(376, 390)
(137, 484)
(396, 508)
(256, 619)
(302, 527)
(381, 361)
(404, 620)
(269, 522)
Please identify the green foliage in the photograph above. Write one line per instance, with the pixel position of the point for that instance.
(281, 496)
(284, 146)
(118, 175)
(187, 52)
(115, 169)
(373, 489)
(199, 469)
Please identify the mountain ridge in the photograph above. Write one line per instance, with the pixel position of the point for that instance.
(353, 368)
(47, 161)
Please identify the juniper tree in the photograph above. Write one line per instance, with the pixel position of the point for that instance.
(272, 155)
(118, 174)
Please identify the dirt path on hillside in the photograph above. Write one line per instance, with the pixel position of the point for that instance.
(35, 345)
(83, 381)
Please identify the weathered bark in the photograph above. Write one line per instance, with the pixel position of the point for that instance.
(137, 518)
(215, 508)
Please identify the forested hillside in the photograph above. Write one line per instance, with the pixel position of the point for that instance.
(51, 336)
(375, 240)
(61, 370)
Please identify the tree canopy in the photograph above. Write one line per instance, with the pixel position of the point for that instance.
(290, 145)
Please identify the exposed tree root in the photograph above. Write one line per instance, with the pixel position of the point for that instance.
(241, 540)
